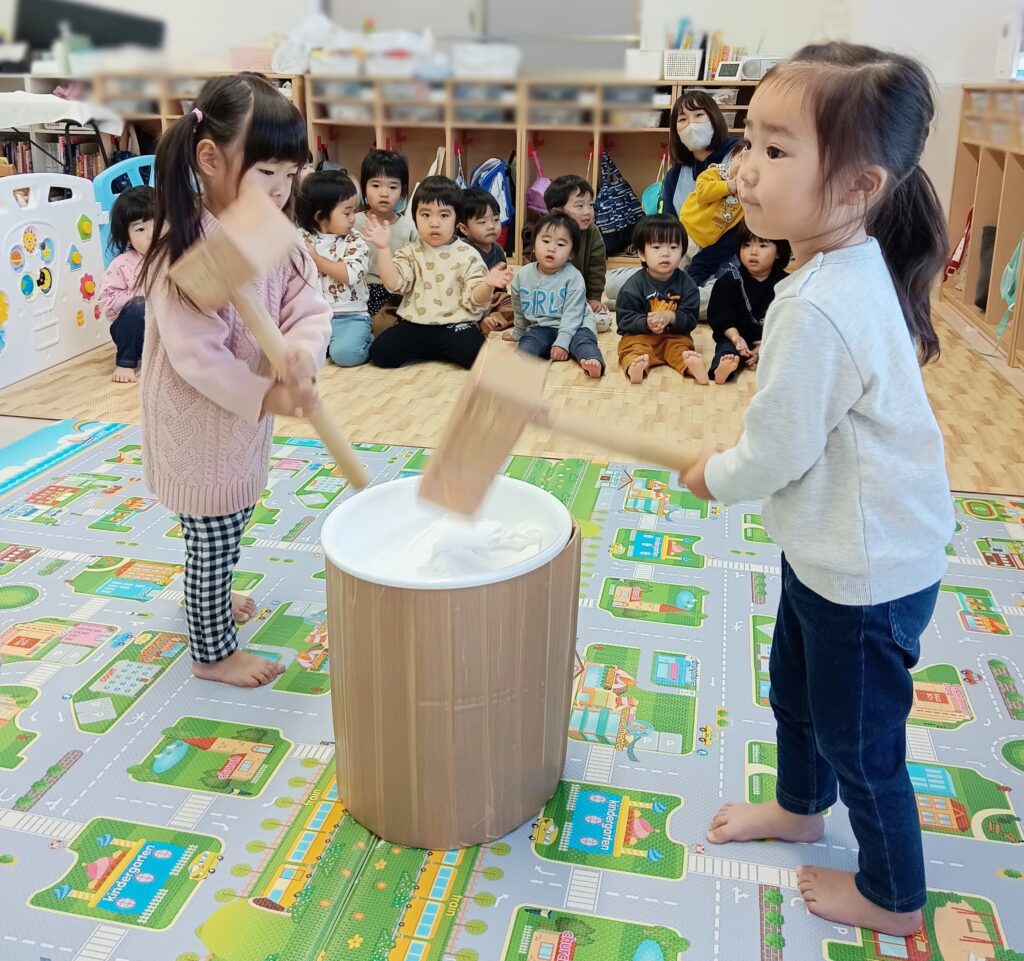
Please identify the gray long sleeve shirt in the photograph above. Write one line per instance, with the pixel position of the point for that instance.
(840, 440)
(550, 300)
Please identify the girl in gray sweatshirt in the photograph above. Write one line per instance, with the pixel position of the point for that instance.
(843, 447)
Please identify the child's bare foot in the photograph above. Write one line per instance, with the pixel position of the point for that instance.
(833, 895)
(592, 367)
(752, 822)
(240, 669)
(695, 365)
(635, 371)
(242, 607)
(725, 368)
(124, 375)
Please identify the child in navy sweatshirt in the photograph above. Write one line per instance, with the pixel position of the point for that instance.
(740, 300)
(656, 309)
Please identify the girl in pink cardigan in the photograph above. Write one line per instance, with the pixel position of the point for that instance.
(207, 390)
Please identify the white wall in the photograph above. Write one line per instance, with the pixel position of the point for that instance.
(956, 40)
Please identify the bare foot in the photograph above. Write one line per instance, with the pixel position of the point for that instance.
(695, 365)
(751, 822)
(833, 895)
(635, 371)
(240, 669)
(725, 368)
(592, 367)
(242, 607)
(124, 375)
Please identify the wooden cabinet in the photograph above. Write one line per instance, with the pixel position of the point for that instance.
(989, 178)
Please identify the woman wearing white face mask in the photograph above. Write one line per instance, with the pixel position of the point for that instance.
(698, 138)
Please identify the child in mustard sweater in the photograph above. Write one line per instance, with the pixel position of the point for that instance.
(444, 283)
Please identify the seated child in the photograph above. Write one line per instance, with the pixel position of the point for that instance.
(481, 226)
(575, 197)
(549, 296)
(445, 286)
(740, 300)
(656, 309)
(384, 184)
(123, 304)
(708, 213)
(325, 210)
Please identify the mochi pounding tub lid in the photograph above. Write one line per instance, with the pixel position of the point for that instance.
(379, 535)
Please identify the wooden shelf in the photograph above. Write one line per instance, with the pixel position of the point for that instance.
(988, 179)
(606, 129)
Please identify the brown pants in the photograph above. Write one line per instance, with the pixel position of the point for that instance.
(663, 350)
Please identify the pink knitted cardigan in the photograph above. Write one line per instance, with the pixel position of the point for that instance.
(205, 446)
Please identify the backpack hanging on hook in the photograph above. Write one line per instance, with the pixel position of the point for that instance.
(616, 206)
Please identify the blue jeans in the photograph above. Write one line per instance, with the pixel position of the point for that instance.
(538, 341)
(127, 333)
(350, 339)
(841, 692)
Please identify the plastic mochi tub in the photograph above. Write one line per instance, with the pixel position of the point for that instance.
(450, 692)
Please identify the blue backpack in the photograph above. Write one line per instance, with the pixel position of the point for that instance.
(494, 177)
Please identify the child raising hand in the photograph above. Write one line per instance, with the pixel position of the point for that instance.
(445, 285)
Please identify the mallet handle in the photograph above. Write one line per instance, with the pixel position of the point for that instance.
(644, 447)
(268, 335)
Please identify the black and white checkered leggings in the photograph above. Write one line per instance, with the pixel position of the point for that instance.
(212, 549)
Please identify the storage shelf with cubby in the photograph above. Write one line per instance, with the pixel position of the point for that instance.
(988, 179)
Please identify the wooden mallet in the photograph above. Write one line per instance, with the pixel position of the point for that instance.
(255, 237)
(505, 393)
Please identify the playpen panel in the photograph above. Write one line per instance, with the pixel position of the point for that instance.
(51, 266)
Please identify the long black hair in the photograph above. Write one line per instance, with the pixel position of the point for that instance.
(872, 107)
(244, 109)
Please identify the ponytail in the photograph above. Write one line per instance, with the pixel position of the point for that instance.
(177, 222)
(875, 107)
(910, 228)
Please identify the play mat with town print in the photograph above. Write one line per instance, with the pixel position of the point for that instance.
(148, 816)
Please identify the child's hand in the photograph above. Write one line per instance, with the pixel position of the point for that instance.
(493, 322)
(597, 306)
(741, 347)
(658, 320)
(500, 275)
(508, 336)
(753, 355)
(694, 477)
(376, 233)
(732, 186)
(280, 399)
(559, 354)
(300, 379)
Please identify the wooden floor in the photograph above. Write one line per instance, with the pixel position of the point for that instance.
(980, 413)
